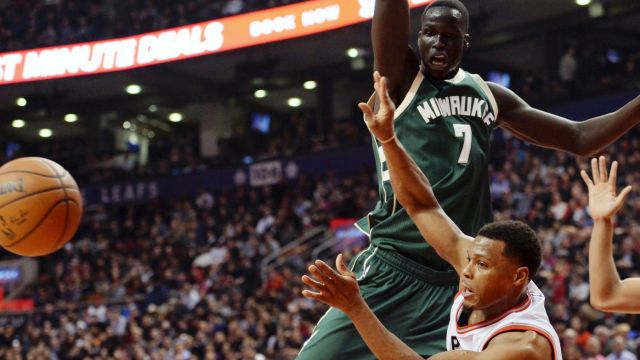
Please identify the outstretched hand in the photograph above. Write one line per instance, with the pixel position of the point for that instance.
(334, 288)
(381, 123)
(603, 202)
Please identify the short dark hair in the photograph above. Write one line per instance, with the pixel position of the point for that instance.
(520, 241)
(453, 4)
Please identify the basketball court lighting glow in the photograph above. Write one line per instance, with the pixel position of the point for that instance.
(260, 93)
(353, 53)
(153, 108)
(22, 102)
(133, 89)
(310, 85)
(71, 118)
(583, 2)
(45, 133)
(175, 117)
(126, 125)
(294, 102)
(18, 123)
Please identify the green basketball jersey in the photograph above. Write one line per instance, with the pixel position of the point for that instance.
(445, 127)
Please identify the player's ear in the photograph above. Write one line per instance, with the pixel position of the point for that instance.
(521, 276)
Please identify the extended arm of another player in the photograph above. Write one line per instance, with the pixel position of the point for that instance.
(608, 293)
(414, 192)
(582, 138)
(513, 345)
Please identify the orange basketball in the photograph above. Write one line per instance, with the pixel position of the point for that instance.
(40, 206)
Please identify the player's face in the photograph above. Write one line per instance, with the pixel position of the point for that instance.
(442, 41)
(490, 280)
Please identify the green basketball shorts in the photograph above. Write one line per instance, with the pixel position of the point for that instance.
(411, 300)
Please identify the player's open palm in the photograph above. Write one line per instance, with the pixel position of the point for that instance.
(334, 288)
(604, 203)
(380, 123)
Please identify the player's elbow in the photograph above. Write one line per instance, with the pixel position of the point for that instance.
(602, 302)
(579, 141)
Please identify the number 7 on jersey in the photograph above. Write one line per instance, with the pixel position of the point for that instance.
(463, 131)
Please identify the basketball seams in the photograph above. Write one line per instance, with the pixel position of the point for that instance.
(37, 225)
(37, 193)
(66, 197)
(35, 173)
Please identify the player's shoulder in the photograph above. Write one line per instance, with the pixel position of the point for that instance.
(528, 344)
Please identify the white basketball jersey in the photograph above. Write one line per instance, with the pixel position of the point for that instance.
(530, 315)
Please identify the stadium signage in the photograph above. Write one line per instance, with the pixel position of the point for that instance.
(129, 193)
(256, 28)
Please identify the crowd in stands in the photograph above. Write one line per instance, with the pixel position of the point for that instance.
(134, 269)
(182, 279)
(178, 152)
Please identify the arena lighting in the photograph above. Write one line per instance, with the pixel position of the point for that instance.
(22, 102)
(70, 118)
(294, 102)
(260, 93)
(133, 89)
(153, 108)
(175, 117)
(583, 2)
(126, 125)
(352, 53)
(45, 133)
(18, 123)
(205, 38)
(310, 85)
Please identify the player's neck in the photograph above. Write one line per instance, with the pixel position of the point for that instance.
(481, 315)
(450, 75)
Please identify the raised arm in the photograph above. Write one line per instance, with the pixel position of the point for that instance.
(608, 293)
(582, 138)
(412, 187)
(390, 41)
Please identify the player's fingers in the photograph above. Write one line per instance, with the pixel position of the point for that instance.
(595, 174)
(366, 111)
(623, 194)
(318, 274)
(328, 270)
(602, 163)
(312, 295)
(312, 283)
(613, 174)
(586, 179)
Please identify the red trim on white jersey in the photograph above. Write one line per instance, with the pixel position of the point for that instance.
(529, 315)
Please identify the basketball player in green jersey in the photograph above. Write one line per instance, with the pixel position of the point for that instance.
(444, 119)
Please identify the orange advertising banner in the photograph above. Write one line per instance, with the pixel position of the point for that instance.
(205, 38)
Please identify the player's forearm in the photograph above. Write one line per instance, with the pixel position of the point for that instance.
(410, 184)
(382, 343)
(389, 38)
(603, 276)
(599, 132)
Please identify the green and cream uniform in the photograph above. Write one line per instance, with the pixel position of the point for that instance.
(445, 126)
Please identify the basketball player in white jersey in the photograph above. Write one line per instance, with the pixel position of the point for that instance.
(608, 292)
(499, 312)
